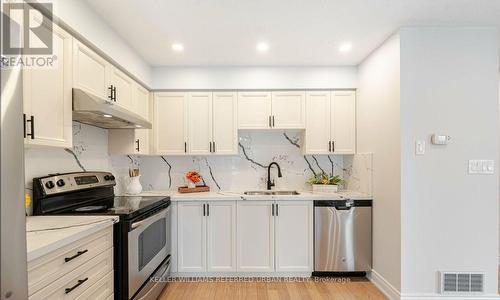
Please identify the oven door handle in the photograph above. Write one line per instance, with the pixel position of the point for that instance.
(150, 219)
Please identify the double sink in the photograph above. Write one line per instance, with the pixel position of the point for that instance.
(271, 193)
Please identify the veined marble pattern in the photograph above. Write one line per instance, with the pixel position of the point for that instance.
(358, 172)
(245, 171)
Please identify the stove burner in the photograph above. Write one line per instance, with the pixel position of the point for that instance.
(91, 208)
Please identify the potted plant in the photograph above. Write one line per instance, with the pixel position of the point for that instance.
(325, 183)
(193, 178)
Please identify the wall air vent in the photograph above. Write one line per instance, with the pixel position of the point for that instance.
(462, 283)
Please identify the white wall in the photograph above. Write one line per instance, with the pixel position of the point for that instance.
(254, 77)
(449, 85)
(378, 119)
(81, 18)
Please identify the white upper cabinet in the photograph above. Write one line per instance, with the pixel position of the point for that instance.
(255, 226)
(141, 99)
(91, 72)
(123, 89)
(330, 122)
(224, 123)
(254, 110)
(288, 110)
(266, 110)
(47, 97)
(317, 133)
(343, 124)
(128, 141)
(294, 236)
(170, 123)
(200, 123)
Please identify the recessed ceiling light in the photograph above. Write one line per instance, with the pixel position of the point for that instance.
(262, 47)
(345, 47)
(107, 116)
(177, 47)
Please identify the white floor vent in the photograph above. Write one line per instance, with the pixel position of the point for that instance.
(462, 283)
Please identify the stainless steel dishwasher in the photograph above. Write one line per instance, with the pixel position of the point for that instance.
(342, 237)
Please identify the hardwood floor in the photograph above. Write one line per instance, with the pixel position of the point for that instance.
(311, 289)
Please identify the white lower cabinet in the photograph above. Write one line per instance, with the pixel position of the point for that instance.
(294, 236)
(245, 236)
(206, 238)
(275, 236)
(255, 236)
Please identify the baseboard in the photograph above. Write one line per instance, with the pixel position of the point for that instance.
(448, 297)
(383, 285)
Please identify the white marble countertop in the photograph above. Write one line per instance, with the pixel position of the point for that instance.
(237, 195)
(45, 234)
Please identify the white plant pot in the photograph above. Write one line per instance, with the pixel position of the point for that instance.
(134, 186)
(191, 184)
(324, 188)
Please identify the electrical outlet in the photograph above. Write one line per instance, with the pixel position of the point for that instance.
(420, 147)
(481, 166)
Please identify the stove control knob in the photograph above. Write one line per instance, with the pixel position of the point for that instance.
(107, 177)
(60, 183)
(49, 184)
(111, 177)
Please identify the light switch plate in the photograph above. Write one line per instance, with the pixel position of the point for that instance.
(420, 147)
(481, 166)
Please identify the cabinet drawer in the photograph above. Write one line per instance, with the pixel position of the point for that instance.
(76, 282)
(47, 269)
(101, 290)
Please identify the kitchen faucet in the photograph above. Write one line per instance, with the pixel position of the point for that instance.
(269, 182)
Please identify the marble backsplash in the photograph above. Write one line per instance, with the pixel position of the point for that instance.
(245, 171)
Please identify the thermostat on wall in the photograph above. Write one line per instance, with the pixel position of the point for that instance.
(438, 139)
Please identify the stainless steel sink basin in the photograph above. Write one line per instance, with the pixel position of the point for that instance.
(270, 193)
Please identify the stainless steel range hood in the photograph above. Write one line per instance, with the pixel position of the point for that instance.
(99, 112)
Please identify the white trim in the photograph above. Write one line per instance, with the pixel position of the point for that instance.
(383, 285)
(448, 297)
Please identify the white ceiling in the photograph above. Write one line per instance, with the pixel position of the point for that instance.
(299, 32)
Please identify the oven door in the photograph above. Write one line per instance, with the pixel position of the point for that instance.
(148, 246)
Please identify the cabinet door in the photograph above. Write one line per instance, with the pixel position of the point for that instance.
(48, 96)
(288, 110)
(225, 126)
(254, 110)
(141, 98)
(90, 71)
(142, 141)
(317, 133)
(170, 123)
(221, 236)
(255, 236)
(124, 89)
(128, 141)
(199, 123)
(294, 236)
(343, 124)
(191, 242)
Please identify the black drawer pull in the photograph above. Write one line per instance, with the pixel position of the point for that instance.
(68, 290)
(66, 259)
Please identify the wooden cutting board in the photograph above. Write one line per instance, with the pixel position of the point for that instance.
(198, 189)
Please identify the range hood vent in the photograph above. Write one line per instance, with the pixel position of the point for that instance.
(92, 110)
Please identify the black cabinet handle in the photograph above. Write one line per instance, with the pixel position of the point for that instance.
(214, 148)
(185, 147)
(277, 211)
(68, 290)
(330, 146)
(210, 144)
(138, 148)
(272, 209)
(204, 212)
(110, 88)
(333, 146)
(114, 93)
(24, 125)
(66, 259)
(32, 126)
(270, 124)
(208, 209)
(273, 121)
